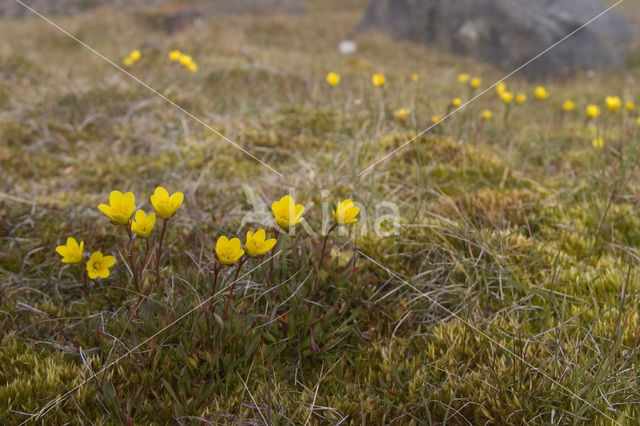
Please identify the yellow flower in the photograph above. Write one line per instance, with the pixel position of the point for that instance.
(192, 66)
(436, 118)
(593, 110)
(464, 78)
(127, 61)
(415, 78)
(613, 103)
(98, 265)
(568, 105)
(402, 113)
(541, 93)
(135, 55)
(475, 82)
(287, 213)
(456, 102)
(597, 143)
(507, 97)
(257, 244)
(486, 115)
(346, 212)
(143, 224)
(378, 80)
(521, 98)
(229, 251)
(164, 204)
(175, 55)
(629, 105)
(72, 252)
(333, 79)
(185, 60)
(501, 87)
(121, 207)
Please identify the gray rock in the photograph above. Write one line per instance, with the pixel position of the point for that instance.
(508, 33)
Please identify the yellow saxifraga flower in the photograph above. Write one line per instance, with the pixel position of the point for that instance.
(486, 115)
(402, 113)
(597, 143)
(175, 55)
(185, 60)
(120, 208)
(257, 244)
(613, 103)
(72, 252)
(437, 117)
(475, 82)
(415, 78)
(629, 105)
(593, 111)
(142, 225)
(501, 87)
(333, 79)
(464, 78)
(378, 80)
(98, 265)
(127, 61)
(286, 212)
(456, 102)
(521, 98)
(229, 251)
(192, 66)
(568, 105)
(165, 204)
(541, 93)
(346, 212)
(506, 97)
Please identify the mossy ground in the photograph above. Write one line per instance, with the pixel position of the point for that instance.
(519, 227)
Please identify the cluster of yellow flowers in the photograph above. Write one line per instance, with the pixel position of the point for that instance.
(133, 57)
(184, 60)
(98, 264)
(378, 80)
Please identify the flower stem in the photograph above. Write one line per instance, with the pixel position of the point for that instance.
(134, 274)
(324, 243)
(233, 285)
(159, 251)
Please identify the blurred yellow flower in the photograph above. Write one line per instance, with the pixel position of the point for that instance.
(193, 67)
(257, 244)
(135, 55)
(521, 98)
(286, 212)
(333, 79)
(346, 213)
(486, 115)
(98, 265)
(415, 78)
(638, 121)
(120, 208)
(437, 117)
(402, 113)
(164, 204)
(175, 55)
(593, 111)
(541, 93)
(475, 82)
(127, 61)
(506, 97)
(464, 78)
(142, 225)
(597, 143)
(613, 103)
(456, 102)
(501, 87)
(185, 59)
(568, 105)
(629, 105)
(229, 251)
(72, 252)
(378, 80)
